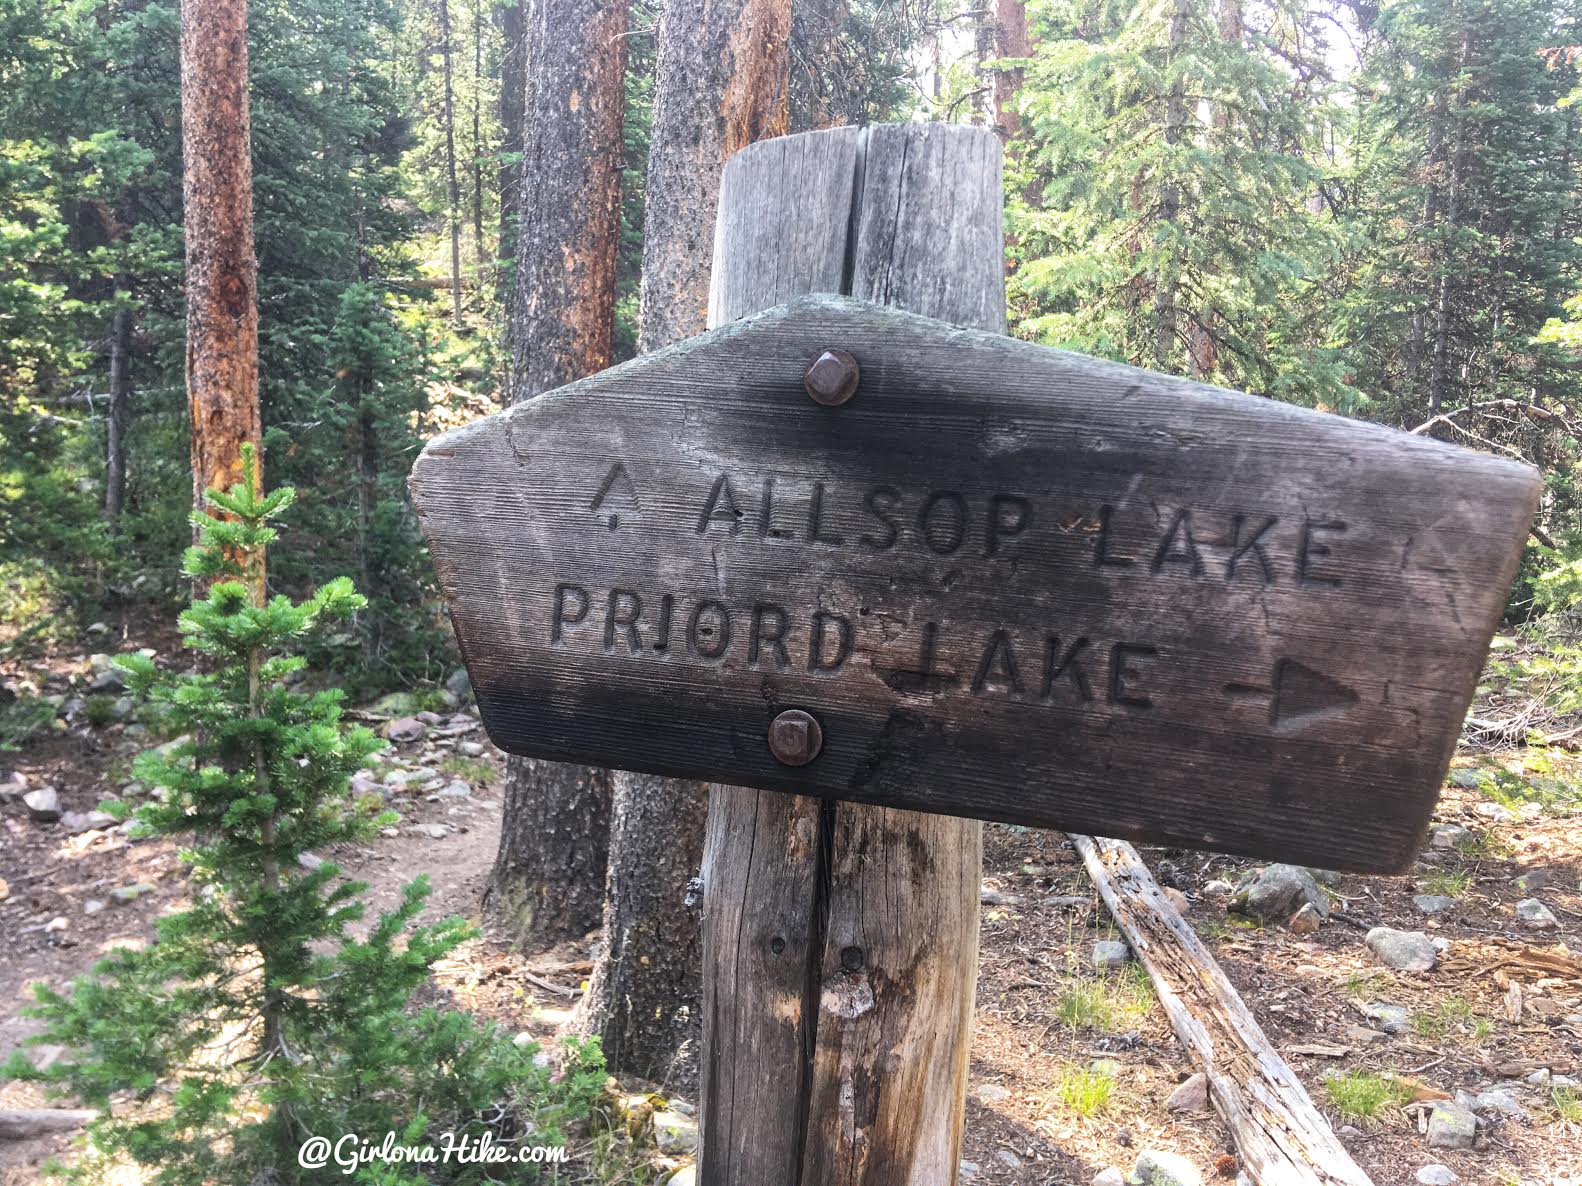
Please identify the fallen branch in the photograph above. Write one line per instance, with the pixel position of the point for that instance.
(22, 1124)
(1280, 1135)
(551, 986)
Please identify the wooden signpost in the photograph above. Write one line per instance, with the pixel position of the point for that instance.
(850, 552)
(845, 551)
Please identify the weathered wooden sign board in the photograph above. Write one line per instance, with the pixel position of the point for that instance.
(998, 581)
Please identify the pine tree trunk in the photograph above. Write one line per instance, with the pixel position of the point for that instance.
(722, 83)
(1438, 374)
(453, 190)
(1166, 283)
(645, 998)
(119, 421)
(367, 497)
(1414, 349)
(548, 879)
(513, 89)
(480, 247)
(1012, 41)
(222, 271)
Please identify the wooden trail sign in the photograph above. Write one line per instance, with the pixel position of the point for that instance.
(998, 581)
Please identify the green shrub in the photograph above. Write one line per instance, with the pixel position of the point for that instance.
(258, 1017)
(1087, 1091)
(1362, 1095)
(23, 719)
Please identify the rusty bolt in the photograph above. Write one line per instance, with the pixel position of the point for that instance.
(795, 737)
(831, 378)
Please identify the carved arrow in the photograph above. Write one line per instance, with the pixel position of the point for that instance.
(1298, 693)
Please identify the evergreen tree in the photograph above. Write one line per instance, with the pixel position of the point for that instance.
(1160, 202)
(259, 1017)
(1463, 206)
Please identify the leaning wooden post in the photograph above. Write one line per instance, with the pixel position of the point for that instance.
(841, 940)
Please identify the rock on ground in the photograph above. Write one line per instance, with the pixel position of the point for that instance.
(1155, 1168)
(1534, 915)
(43, 804)
(1109, 1176)
(1190, 1096)
(1437, 1175)
(1501, 1101)
(1109, 954)
(1451, 1125)
(1306, 920)
(1278, 892)
(675, 1133)
(1532, 880)
(1405, 951)
(1433, 903)
(1449, 836)
(1392, 1019)
(406, 729)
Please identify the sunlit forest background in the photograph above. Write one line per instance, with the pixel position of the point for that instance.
(1372, 208)
(1369, 209)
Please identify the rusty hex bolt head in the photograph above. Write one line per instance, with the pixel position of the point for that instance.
(831, 378)
(795, 737)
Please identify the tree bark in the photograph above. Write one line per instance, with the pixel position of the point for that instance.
(513, 91)
(452, 189)
(221, 269)
(548, 878)
(118, 422)
(840, 940)
(721, 83)
(479, 246)
(1012, 41)
(1165, 282)
(644, 1001)
(1438, 374)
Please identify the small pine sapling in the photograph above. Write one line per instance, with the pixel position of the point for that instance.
(258, 1017)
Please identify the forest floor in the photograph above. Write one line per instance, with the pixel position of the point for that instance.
(1071, 1066)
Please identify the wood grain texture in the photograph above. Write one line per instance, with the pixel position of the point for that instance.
(897, 887)
(1281, 1138)
(1010, 582)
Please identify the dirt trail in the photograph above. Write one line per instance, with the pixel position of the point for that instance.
(1051, 1032)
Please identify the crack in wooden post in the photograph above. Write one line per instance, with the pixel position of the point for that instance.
(840, 940)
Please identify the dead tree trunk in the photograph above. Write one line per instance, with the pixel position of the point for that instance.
(548, 878)
(118, 421)
(1281, 1137)
(222, 271)
(840, 940)
(645, 997)
(452, 189)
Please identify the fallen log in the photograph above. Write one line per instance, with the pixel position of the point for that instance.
(1280, 1135)
(22, 1124)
